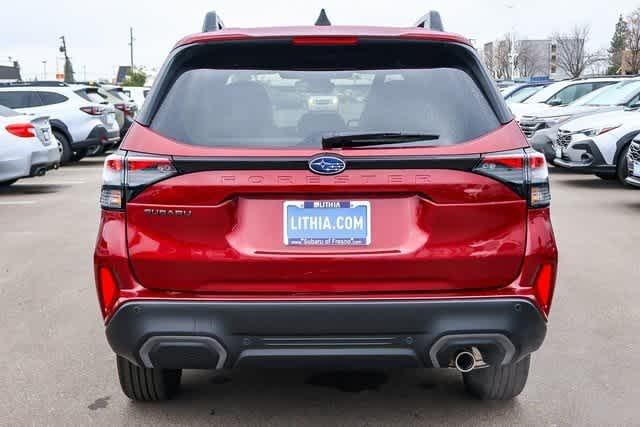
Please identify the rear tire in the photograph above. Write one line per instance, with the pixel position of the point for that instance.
(65, 147)
(147, 384)
(95, 151)
(79, 155)
(622, 169)
(498, 382)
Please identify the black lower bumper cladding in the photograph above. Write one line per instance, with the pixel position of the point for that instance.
(216, 335)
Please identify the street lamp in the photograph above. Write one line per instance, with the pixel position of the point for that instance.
(44, 70)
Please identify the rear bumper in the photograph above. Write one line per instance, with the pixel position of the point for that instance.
(216, 335)
(98, 136)
(584, 156)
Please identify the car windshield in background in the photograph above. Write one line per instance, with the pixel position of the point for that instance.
(545, 94)
(7, 112)
(253, 108)
(524, 94)
(619, 94)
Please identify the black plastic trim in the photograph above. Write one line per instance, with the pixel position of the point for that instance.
(200, 164)
(329, 333)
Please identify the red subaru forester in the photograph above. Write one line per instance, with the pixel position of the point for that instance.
(325, 196)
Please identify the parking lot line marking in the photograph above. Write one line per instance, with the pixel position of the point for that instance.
(18, 202)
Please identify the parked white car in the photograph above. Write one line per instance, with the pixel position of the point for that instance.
(27, 146)
(542, 129)
(598, 143)
(559, 94)
(633, 161)
(76, 123)
(137, 94)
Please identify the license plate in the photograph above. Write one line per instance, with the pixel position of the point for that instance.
(636, 169)
(558, 152)
(327, 223)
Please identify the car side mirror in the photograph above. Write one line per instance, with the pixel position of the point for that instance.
(555, 102)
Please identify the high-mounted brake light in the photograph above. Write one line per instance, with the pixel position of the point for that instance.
(22, 130)
(325, 41)
(525, 171)
(125, 175)
(92, 110)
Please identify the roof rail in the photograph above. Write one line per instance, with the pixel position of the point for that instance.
(212, 22)
(431, 21)
(323, 19)
(42, 83)
(606, 76)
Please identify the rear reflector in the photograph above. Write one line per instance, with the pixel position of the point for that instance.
(325, 41)
(544, 286)
(22, 130)
(108, 290)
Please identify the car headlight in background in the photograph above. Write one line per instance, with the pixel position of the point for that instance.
(598, 131)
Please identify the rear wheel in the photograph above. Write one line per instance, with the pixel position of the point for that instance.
(622, 170)
(65, 147)
(79, 155)
(147, 384)
(498, 382)
(95, 150)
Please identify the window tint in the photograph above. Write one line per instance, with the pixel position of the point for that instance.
(523, 94)
(91, 95)
(51, 98)
(571, 93)
(284, 108)
(20, 99)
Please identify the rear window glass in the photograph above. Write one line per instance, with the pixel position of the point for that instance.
(51, 98)
(244, 108)
(257, 107)
(91, 95)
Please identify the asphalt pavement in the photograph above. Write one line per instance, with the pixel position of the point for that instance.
(59, 370)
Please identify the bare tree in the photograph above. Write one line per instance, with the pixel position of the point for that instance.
(573, 57)
(528, 59)
(632, 62)
(502, 57)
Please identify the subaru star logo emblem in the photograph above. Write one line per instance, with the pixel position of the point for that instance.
(327, 165)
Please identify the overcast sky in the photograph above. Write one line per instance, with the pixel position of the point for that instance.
(97, 32)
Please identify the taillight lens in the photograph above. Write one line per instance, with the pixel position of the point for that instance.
(108, 289)
(525, 171)
(22, 130)
(325, 41)
(544, 286)
(92, 110)
(126, 175)
(124, 108)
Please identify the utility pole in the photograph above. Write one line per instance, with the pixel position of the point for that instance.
(44, 70)
(131, 39)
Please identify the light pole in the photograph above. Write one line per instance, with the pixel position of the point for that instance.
(44, 70)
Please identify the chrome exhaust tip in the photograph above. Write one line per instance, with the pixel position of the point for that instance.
(465, 362)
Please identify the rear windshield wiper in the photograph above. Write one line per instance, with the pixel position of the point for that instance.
(352, 140)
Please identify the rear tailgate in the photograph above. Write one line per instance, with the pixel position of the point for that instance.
(219, 227)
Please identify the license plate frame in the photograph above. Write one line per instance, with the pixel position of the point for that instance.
(328, 223)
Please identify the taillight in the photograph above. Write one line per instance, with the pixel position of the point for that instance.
(124, 108)
(108, 289)
(23, 130)
(325, 41)
(92, 110)
(525, 171)
(544, 286)
(127, 174)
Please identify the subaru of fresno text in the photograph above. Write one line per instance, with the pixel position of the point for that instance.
(408, 226)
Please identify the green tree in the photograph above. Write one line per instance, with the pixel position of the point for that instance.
(135, 78)
(616, 51)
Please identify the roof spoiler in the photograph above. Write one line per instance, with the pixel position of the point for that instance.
(431, 21)
(323, 19)
(212, 22)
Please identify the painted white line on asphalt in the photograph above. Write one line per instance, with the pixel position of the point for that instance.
(18, 202)
(56, 182)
